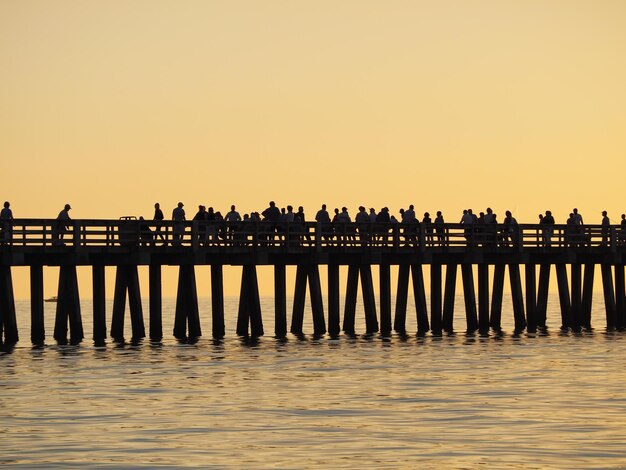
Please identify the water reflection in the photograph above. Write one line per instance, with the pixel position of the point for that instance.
(550, 399)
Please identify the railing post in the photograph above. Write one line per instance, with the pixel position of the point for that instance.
(395, 235)
(195, 239)
(520, 238)
(318, 236)
(255, 236)
(613, 239)
(76, 235)
(422, 237)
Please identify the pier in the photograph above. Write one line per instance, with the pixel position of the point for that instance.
(483, 254)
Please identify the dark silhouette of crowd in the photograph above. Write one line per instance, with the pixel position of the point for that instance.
(280, 226)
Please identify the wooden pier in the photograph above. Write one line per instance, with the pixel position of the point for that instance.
(484, 249)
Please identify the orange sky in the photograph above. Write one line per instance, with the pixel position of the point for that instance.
(114, 105)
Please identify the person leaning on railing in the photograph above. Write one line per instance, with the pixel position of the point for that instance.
(61, 226)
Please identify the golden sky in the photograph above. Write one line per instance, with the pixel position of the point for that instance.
(114, 105)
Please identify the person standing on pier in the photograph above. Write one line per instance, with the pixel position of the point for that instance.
(439, 228)
(6, 216)
(62, 225)
(622, 236)
(427, 226)
(178, 216)
(271, 215)
(606, 228)
(510, 229)
(548, 222)
(231, 218)
(201, 217)
(158, 219)
(323, 223)
(362, 220)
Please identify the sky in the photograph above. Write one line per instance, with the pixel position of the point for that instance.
(114, 105)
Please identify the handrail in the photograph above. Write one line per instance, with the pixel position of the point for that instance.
(314, 236)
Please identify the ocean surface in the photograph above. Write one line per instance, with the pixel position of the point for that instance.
(546, 401)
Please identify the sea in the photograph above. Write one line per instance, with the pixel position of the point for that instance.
(550, 400)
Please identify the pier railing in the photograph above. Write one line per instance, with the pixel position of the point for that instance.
(251, 236)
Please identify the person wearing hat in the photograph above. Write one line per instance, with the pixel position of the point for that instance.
(178, 216)
(62, 225)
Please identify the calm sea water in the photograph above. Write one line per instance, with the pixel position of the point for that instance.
(556, 401)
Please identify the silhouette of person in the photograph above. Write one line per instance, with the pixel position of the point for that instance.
(382, 222)
(323, 223)
(440, 229)
(158, 219)
(491, 232)
(231, 218)
(623, 230)
(211, 230)
(372, 215)
(6, 219)
(467, 220)
(548, 228)
(145, 234)
(272, 215)
(362, 220)
(343, 219)
(178, 216)
(300, 224)
(62, 225)
(510, 229)
(427, 225)
(606, 228)
(201, 217)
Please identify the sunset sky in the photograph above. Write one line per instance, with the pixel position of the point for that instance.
(114, 105)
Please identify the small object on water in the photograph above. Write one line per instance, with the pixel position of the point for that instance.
(52, 299)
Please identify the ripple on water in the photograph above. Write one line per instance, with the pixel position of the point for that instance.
(533, 401)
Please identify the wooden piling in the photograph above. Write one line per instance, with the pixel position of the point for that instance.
(564, 297)
(334, 319)
(8, 318)
(369, 300)
(419, 293)
(68, 307)
(134, 301)
(119, 304)
(576, 299)
(351, 295)
(217, 301)
(435, 298)
(156, 302)
(280, 301)
(587, 294)
(399, 322)
(483, 297)
(542, 295)
(37, 329)
(243, 316)
(256, 319)
(187, 316)
(299, 298)
(99, 304)
(385, 299)
(531, 297)
(609, 295)
(620, 313)
(469, 295)
(317, 304)
(495, 321)
(448, 298)
(518, 298)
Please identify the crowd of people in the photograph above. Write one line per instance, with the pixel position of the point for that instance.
(371, 226)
